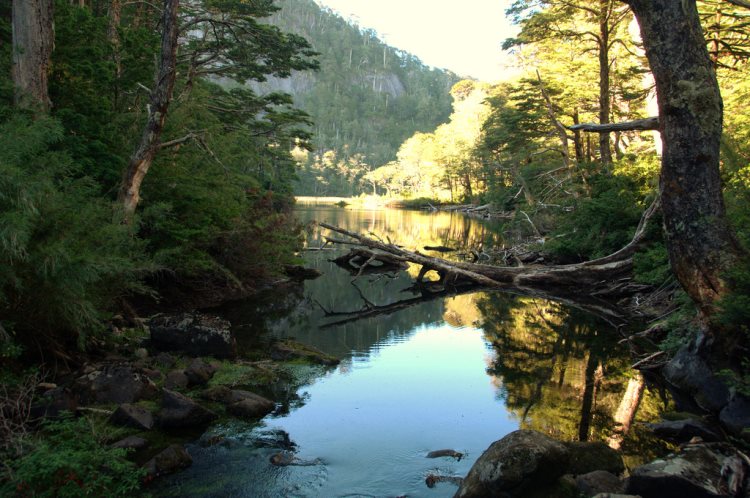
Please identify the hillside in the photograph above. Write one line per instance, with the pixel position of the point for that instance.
(365, 100)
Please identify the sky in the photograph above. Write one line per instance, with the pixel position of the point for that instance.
(463, 36)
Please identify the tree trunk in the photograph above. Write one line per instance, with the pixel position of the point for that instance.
(700, 243)
(161, 96)
(604, 93)
(33, 41)
(113, 35)
(625, 414)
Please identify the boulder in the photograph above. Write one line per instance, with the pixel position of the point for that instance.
(736, 415)
(165, 360)
(179, 411)
(194, 333)
(176, 379)
(131, 443)
(699, 470)
(517, 465)
(299, 272)
(199, 372)
(682, 431)
(599, 481)
(292, 350)
(246, 405)
(217, 393)
(128, 415)
(172, 459)
(114, 383)
(691, 375)
(588, 457)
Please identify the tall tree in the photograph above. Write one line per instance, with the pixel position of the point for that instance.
(700, 242)
(160, 98)
(33, 40)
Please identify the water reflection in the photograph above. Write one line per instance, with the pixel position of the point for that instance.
(453, 372)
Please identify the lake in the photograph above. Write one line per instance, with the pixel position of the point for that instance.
(455, 372)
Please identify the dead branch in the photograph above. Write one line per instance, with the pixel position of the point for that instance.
(636, 125)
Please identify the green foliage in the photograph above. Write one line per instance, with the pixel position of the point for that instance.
(601, 224)
(735, 306)
(63, 259)
(67, 459)
(651, 266)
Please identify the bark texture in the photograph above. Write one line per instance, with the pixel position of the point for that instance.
(161, 97)
(33, 41)
(700, 243)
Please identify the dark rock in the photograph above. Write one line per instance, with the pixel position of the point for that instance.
(587, 457)
(194, 333)
(180, 411)
(615, 495)
(245, 404)
(516, 465)
(690, 374)
(128, 415)
(599, 481)
(152, 374)
(172, 459)
(736, 415)
(115, 383)
(199, 372)
(682, 431)
(176, 379)
(697, 471)
(298, 272)
(220, 394)
(53, 402)
(445, 453)
(291, 350)
(131, 443)
(165, 360)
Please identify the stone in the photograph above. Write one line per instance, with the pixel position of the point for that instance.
(114, 383)
(165, 360)
(736, 415)
(141, 353)
(217, 393)
(691, 375)
(697, 471)
(152, 374)
(516, 465)
(599, 481)
(194, 333)
(131, 443)
(169, 461)
(176, 379)
(299, 272)
(588, 457)
(179, 411)
(682, 431)
(249, 405)
(292, 350)
(128, 415)
(199, 372)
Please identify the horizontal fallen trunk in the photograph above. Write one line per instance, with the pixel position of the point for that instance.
(636, 125)
(602, 279)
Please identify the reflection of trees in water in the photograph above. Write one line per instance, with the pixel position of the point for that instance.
(561, 371)
(411, 229)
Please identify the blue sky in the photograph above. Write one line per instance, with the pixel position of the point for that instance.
(464, 36)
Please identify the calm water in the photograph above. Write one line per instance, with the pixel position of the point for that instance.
(454, 372)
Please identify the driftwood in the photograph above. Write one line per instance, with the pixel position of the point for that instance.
(591, 285)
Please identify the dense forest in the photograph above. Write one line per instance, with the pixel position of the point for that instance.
(365, 99)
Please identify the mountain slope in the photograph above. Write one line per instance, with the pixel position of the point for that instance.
(365, 100)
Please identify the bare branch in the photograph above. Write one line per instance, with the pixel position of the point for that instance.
(651, 123)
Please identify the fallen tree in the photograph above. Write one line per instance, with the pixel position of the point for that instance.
(594, 285)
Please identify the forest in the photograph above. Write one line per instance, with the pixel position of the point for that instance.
(150, 153)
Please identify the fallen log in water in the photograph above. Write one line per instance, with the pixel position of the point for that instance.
(592, 285)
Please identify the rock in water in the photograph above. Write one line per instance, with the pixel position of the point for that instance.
(180, 411)
(691, 375)
(518, 464)
(172, 459)
(194, 333)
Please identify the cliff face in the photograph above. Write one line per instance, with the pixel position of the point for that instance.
(367, 97)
